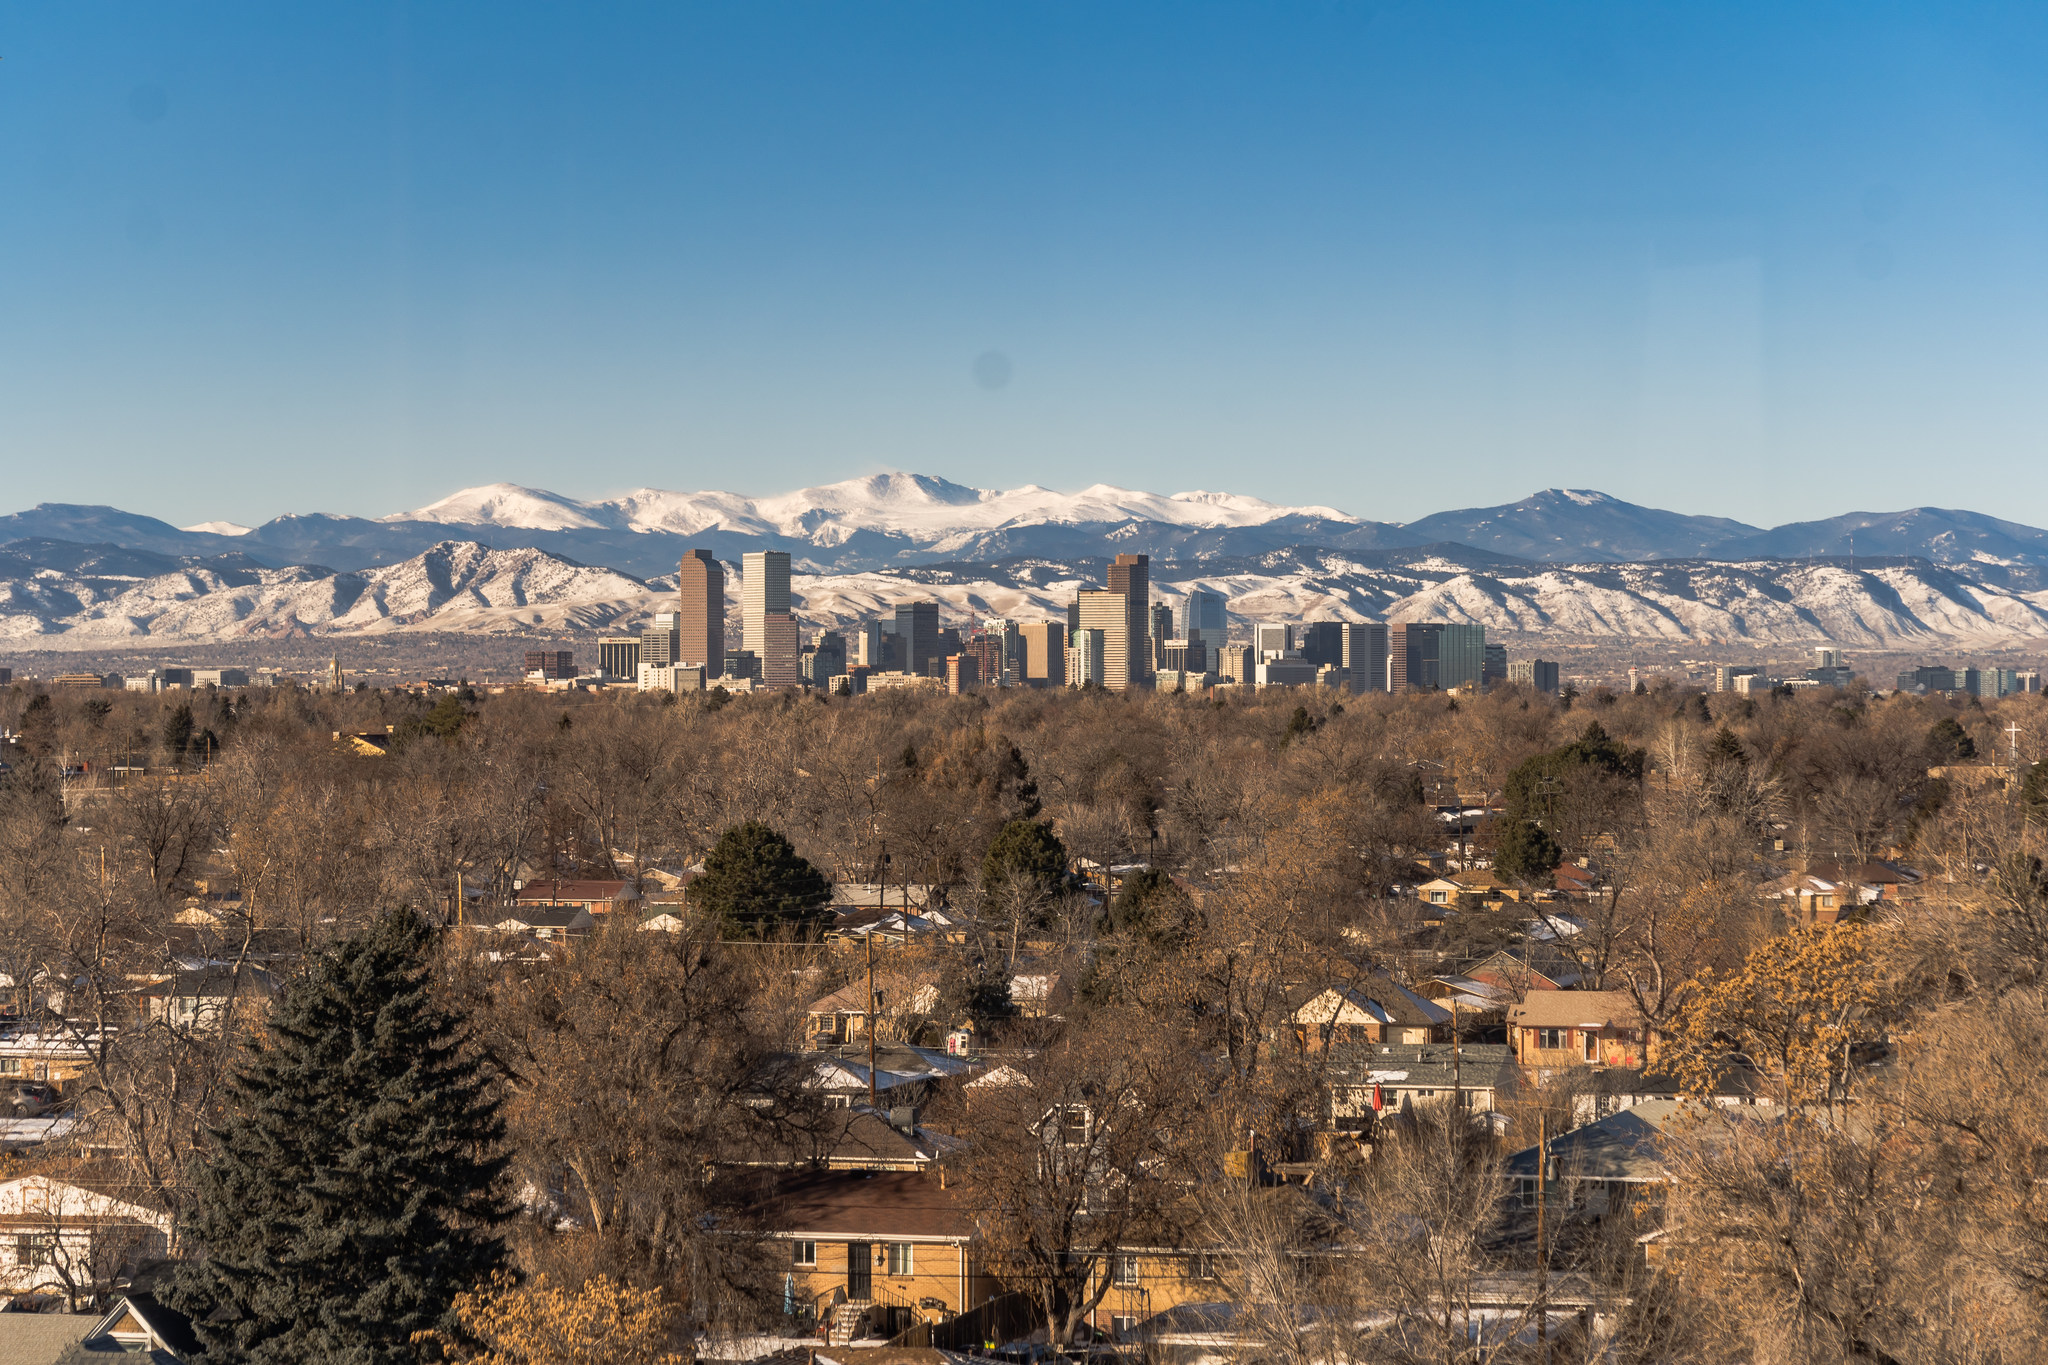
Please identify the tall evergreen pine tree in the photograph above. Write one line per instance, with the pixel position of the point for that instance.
(351, 1194)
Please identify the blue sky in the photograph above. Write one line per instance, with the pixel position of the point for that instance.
(1762, 261)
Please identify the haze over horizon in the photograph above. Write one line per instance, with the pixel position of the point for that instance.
(1753, 263)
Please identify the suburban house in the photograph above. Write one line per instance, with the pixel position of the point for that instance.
(1526, 968)
(77, 1231)
(855, 1139)
(903, 1075)
(45, 1049)
(663, 911)
(875, 1251)
(1598, 1166)
(365, 743)
(595, 897)
(1041, 991)
(1829, 891)
(1574, 882)
(541, 920)
(1377, 1010)
(1611, 1090)
(1199, 1269)
(852, 925)
(1469, 887)
(842, 1016)
(1577, 1028)
(206, 997)
(1385, 1079)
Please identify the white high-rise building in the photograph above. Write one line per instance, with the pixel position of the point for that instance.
(1273, 640)
(764, 591)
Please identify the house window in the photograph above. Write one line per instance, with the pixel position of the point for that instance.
(1074, 1124)
(839, 1101)
(1525, 1191)
(1123, 1325)
(1202, 1268)
(36, 1248)
(806, 1253)
(10, 1066)
(1438, 897)
(1127, 1271)
(899, 1259)
(1592, 1046)
(1550, 1039)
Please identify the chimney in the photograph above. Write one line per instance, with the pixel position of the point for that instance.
(903, 1118)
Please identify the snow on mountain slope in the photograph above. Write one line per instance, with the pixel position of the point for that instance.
(455, 585)
(508, 504)
(98, 597)
(218, 528)
(915, 505)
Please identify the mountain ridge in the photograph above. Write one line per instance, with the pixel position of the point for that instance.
(895, 519)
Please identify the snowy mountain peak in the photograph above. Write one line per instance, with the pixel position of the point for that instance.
(893, 502)
(508, 504)
(218, 528)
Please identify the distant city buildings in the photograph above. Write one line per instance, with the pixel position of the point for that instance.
(541, 663)
(1540, 674)
(1425, 655)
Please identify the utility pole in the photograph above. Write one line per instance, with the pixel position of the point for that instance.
(1457, 1073)
(871, 1018)
(1542, 1243)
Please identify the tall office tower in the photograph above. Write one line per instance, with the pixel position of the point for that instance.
(1495, 669)
(764, 590)
(1540, 674)
(618, 656)
(864, 645)
(549, 663)
(1087, 655)
(917, 637)
(1272, 639)
(1162, 630)
(1322, 642)
(1827, 656)
(1204, 611)
(1412, 656)
(1969, 681)
(1461, 657)
(1237, 663)
(1108, 613)
(1045, 654)
(1009, 651)
(1365, 656)
(1131, 575)
(661, 642)
(826, 658)
(1184, 656)
(781, 650)
(1073, 616)
(700, 618)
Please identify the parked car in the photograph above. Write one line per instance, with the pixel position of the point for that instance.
(28, 1099)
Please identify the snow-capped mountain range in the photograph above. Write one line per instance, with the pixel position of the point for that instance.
(509, 559)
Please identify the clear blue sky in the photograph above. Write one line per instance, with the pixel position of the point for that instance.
(1762, 260)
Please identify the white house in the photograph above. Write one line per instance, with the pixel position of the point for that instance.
(76, 1232)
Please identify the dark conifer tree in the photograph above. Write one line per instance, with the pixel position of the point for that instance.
(352, 1192)
(758, 885)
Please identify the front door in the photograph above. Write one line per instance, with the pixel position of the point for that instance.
(860, 1270)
